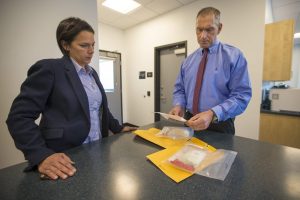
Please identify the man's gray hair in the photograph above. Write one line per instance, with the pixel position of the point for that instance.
(208, 11)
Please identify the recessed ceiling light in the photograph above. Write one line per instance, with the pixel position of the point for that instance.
(297, 35)
(122, 6)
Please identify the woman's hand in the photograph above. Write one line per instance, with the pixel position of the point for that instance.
(128, 129)
(58, 165)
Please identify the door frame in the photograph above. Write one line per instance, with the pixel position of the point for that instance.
(157, 50)
(121, 92)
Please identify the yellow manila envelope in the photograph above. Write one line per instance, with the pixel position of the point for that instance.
(203, 144)
(171, 147)
(159, 159)
(150, 135)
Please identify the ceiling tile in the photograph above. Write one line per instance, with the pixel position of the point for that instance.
(163, 6)
(125, 22)
(143, 2)
(148, 10)
(282, 9)
(106, 14)
(186, 1)
(142, 14)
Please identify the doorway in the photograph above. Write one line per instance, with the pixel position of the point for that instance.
(111, 79)
(168, 59)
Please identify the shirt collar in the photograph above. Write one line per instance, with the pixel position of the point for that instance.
(87, 69)
(213, 48)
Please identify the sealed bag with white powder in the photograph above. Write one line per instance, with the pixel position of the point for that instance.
(176, 133)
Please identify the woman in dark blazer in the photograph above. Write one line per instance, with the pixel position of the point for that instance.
(68, 95)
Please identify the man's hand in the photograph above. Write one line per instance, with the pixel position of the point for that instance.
(201, 121)
(128, 129)
(58, 165)
(177, 110)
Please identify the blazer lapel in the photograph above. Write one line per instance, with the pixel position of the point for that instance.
(77, 85)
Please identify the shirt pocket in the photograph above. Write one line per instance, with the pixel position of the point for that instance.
(53, 133)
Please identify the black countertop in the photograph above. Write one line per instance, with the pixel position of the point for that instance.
(116, 168)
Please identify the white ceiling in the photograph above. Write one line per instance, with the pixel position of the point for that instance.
(148, 10)
(282, 9)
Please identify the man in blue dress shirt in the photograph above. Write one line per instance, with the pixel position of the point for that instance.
(226, 89)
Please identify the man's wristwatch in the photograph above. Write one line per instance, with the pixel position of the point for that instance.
(214, 119)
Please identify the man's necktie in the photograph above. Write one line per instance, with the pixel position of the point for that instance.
(199, 81)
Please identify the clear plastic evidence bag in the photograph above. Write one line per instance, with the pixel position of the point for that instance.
(176, 133)
(195, 159)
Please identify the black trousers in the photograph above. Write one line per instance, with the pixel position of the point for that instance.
(222, 127)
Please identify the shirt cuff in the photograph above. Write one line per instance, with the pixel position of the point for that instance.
(218, 112)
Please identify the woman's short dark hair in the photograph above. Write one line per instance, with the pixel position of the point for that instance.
(68, 29)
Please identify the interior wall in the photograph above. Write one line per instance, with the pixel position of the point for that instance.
(243, 27)
(112, 39)
(295, 77)
(269, 13)
(297, 62)
(28, 34)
